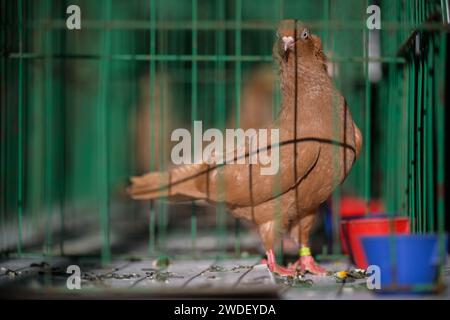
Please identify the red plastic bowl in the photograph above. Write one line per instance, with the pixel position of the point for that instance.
(357, 228)
(344, 240)
(356, 207)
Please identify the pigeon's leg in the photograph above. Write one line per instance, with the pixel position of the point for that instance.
(267, 233)
(275, 268)
(306, 262)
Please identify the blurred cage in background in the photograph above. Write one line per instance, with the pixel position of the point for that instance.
(81, 111)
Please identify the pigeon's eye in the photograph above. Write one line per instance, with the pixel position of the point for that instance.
(305, 34)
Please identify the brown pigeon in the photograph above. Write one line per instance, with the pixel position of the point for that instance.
(318, 145)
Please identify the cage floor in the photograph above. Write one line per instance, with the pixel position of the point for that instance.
(34, 278)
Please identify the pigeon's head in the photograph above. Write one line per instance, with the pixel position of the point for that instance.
(295, 39)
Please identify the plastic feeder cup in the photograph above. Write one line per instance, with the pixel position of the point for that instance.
(343, 230)
(404, 260)
(354, 208)
(355, 229)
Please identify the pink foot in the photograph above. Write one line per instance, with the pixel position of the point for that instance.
(275, 268)
(307, 264)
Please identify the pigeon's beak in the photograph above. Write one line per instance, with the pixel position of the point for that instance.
(287, 43)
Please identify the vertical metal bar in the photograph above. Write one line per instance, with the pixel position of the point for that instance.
(431, 108)
(162, 90)
(36, 145)
(62, 145)
(407, 129)
(3, 137)
(389, 134)
(336, 196)
(49, 124)
(447, 10)
(395, 133)
(20, 132)
(152, 137)
(403, 78)
(277, 186)
(394, 141)
(194, 74)
(194, 107)
(281, 5)
(405, 160)
(102, 124)
(425, 163)
(419, 137)
(440, 130)
(237, 88)
(411, 132)
(326, 18)
(238, 65)
(411, 165)
(277, 96)
(422, 126)
(368, 137)
(220, 120)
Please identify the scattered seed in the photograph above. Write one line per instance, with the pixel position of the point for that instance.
(237, 268)
(161, 276)
(216, 268)
(349, 276)
(295, 281)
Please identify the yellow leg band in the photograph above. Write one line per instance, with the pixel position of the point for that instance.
(304, 251)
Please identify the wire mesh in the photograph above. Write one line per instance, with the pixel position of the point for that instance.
(72, 100)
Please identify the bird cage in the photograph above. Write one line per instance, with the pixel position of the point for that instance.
(83, 110)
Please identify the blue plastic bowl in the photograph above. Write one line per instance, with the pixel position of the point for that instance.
(414, 263)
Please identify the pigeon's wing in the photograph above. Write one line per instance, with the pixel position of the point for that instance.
(245, 185)
(267, 211)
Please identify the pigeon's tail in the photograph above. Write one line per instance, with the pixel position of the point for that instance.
(177, 184)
